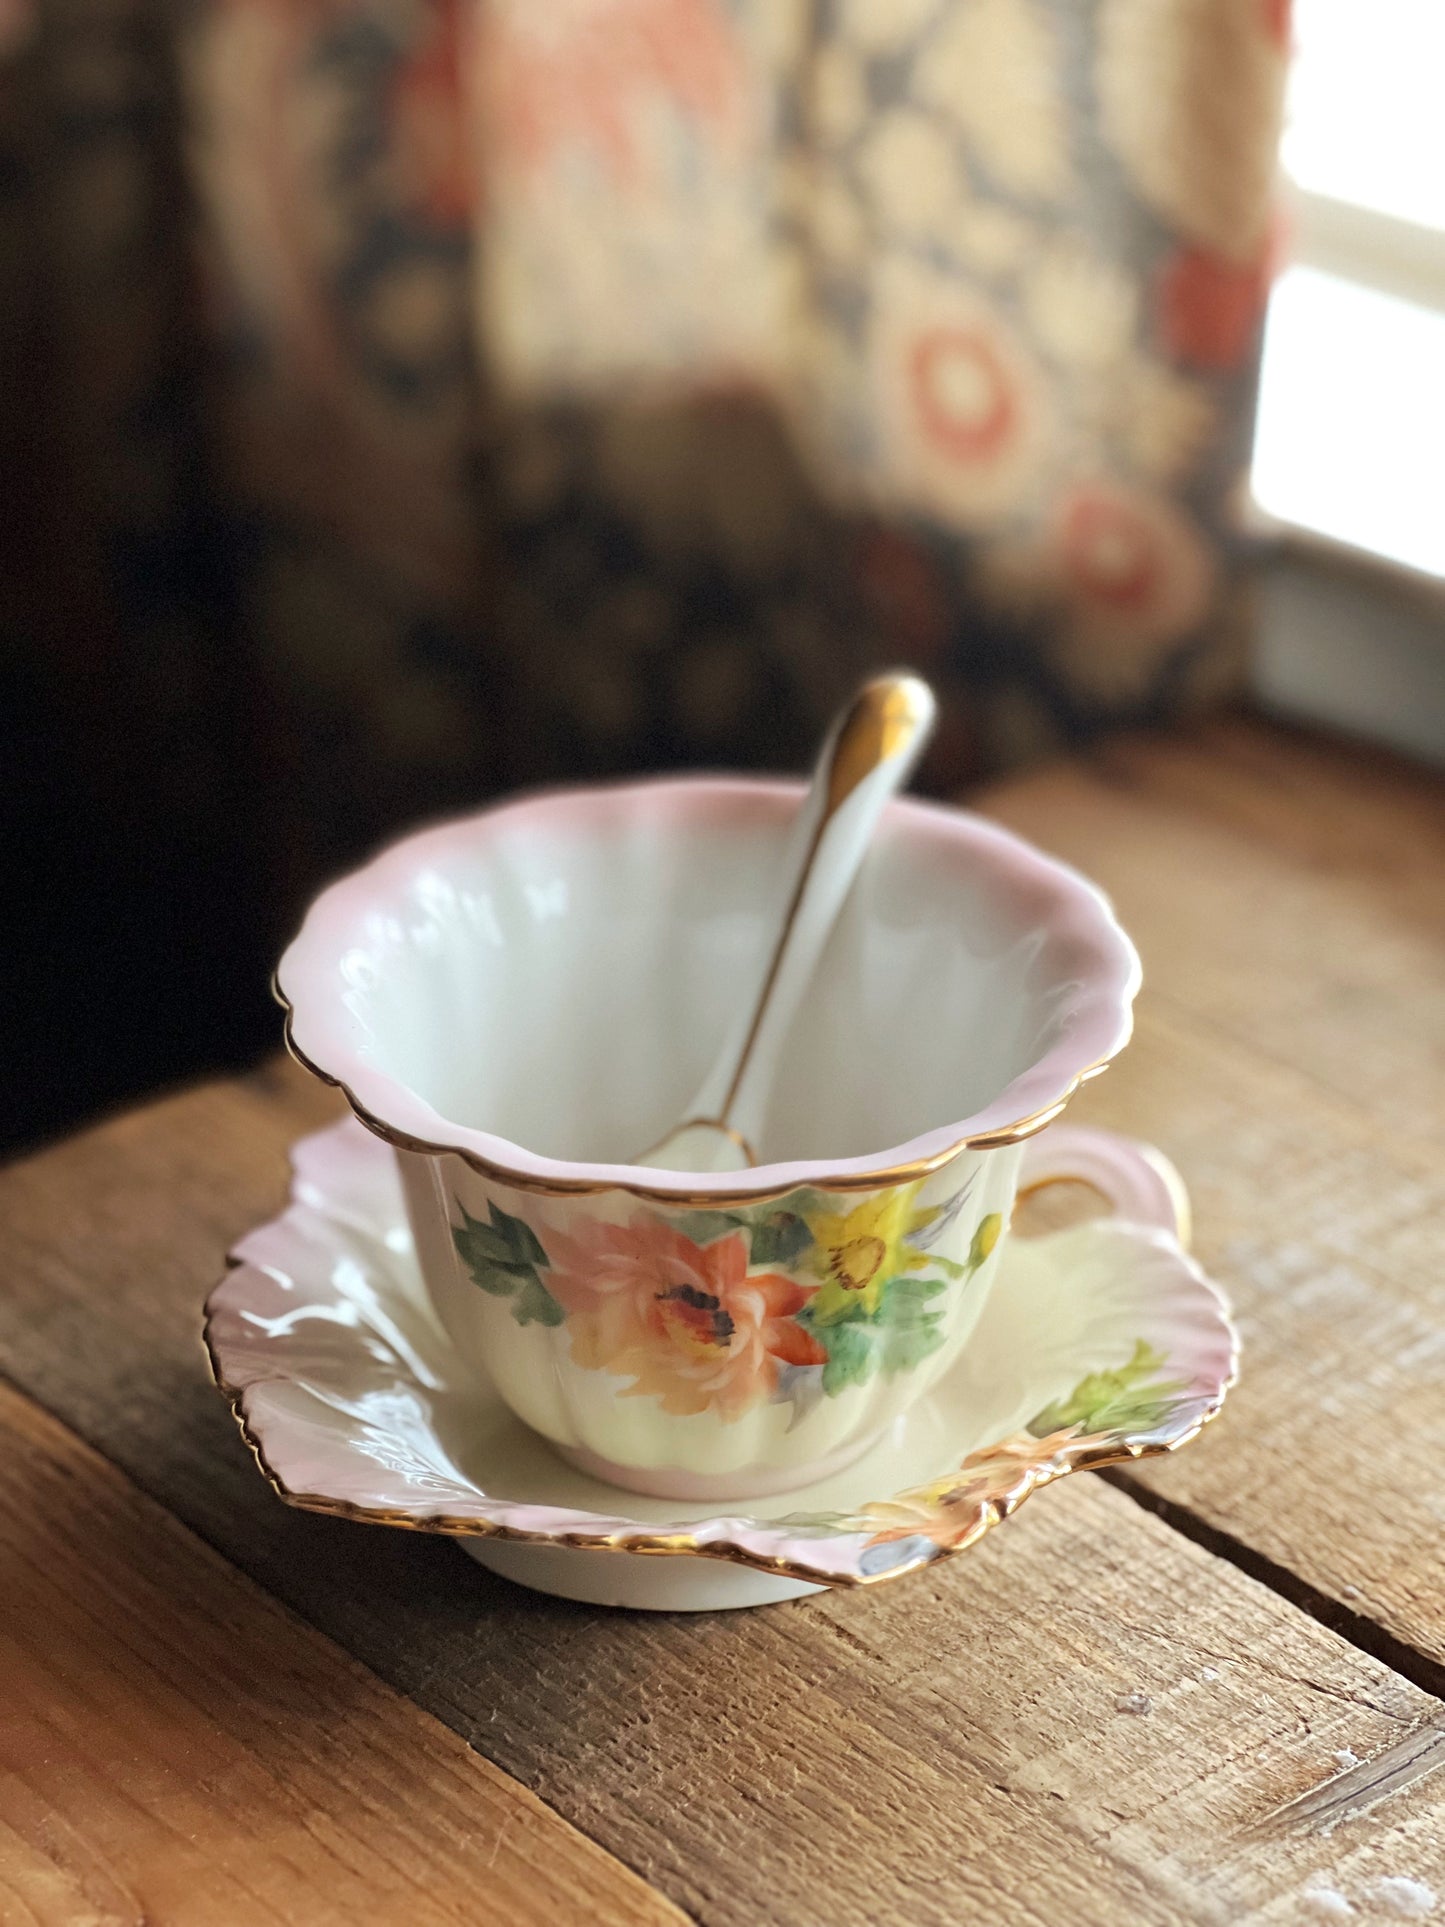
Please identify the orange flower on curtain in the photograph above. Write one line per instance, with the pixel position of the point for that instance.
(584, 76)
(1211, 308)
(428, 121)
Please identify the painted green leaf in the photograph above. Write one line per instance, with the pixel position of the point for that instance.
(487, 1256)
(836, 1308)
(905, 1346)
(506, 1241)
(506, 1258)
(902, 1330)
(478, 1244)
(779, 1238)
(910, 1329)
(806, 1201)
(852, 1356)
(521, 1239)
(901, 1293)
(703, 1227)
(777, 1235)
(535, 1305)
(1131, 1397)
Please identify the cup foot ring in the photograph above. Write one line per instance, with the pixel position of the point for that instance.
(707, 1488)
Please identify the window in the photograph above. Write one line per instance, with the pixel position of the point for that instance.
(1350, 442)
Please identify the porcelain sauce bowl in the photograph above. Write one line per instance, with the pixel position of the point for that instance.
(520, 1000)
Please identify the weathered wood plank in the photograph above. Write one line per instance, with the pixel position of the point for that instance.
(1290, 1056)
(944, 1750)
(1281, 894)
(176, 1748)
(1364, 1784)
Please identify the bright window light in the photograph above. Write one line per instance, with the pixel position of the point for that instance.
(1351, 433)
(1365, 123)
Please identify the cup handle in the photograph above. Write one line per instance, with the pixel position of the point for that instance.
(1138, 1182)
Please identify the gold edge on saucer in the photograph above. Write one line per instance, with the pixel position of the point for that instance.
(1084, 1455)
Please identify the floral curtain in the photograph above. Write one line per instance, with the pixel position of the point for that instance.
(462, 392)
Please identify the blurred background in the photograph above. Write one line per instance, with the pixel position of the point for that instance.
(404, 400)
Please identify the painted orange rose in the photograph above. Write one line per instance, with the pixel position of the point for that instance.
(686, 1322)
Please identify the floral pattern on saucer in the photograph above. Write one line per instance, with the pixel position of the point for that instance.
(1104, 1410)
(1098, 1344)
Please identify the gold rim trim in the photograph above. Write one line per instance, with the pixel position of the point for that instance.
(871, 1180)
(1082, 1457)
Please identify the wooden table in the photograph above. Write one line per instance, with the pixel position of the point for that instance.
(217, 1710)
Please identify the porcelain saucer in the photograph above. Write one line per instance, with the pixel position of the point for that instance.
(1100, 1343)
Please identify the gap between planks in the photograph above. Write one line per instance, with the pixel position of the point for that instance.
(1421, 1669)
(1348, 1795)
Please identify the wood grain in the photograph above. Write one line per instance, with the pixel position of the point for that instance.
(945, 1750)
(1363, 1785)
(176, 1749)
(1284, 892)
(1288, 902)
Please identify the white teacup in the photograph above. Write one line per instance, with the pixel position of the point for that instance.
(521, 1000)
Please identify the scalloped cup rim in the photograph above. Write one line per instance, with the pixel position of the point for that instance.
(304, 985)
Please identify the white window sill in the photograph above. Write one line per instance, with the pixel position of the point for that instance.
(1351, 643)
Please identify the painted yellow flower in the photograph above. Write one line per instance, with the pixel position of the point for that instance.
(856, 1252)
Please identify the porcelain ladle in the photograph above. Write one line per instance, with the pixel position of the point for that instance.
(868, 756)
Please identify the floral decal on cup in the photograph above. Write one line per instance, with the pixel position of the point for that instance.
(875, 1307)
(694, 1325)
(718, 1310)
(506, 1259)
